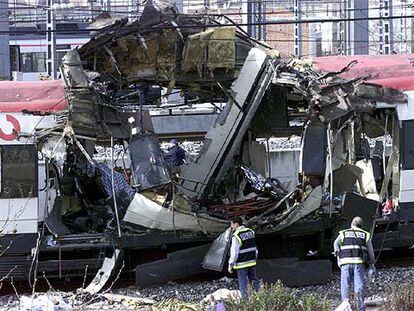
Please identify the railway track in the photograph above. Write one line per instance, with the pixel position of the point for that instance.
(389, 262)
(388, 259)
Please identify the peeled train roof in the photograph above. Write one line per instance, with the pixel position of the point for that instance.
(394, 71)
(36, 96)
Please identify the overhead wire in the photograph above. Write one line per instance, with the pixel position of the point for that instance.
(283, 22)
(167, 26)
(88, 9)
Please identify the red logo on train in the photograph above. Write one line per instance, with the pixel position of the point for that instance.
(16, 129)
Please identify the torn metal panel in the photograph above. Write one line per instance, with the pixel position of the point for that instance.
(54, 220)
(310, 204)
(146, 213)
(263, 217)
(151, 58)
(217, 253)
(215, 48)
(338, 100)
(104, 273)
(178, 265)
(199, 177)
(185, 55)
(340, 149)
(82, 99)
(72, 70)
(149, 169)
(282, 215)
(394, 71)
(367, 181)
(396, 146)
(373, 125)
(340, 71)
(82, 112)
(380, 94)
(345, 178)
(157, 11)
(356, 205)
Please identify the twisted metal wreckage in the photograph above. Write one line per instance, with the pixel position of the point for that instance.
(104, 86)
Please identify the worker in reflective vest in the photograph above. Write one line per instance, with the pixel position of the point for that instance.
(353, 247)
(243, 255)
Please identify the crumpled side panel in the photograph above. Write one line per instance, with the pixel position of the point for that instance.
(222, 48)
(214, 47)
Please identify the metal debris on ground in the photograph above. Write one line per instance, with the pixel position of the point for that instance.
(191, 294)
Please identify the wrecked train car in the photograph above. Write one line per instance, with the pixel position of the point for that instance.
(65, 209)
(82, 210)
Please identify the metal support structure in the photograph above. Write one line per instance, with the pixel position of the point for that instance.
(91, 9)
(342, 27)
(347, 27)
(256, 13)
(51, 42)
(403, 30)
(269, 165)
(118, 223)
(329, 136)
(106, 5)
(357, 31)
(386, 45)
(4, 42)
(384, 143)
(298, 29)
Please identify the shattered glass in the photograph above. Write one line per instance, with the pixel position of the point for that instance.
(148, 164)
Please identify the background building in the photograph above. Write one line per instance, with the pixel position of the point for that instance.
(281, 24)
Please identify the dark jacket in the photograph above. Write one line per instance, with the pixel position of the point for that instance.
(175, 156)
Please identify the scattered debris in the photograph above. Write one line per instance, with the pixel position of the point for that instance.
(54, 178)
(214, 300)
(43, 302)
(128, 301)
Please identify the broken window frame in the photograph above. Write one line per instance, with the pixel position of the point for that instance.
(32, 178)
(162, 167)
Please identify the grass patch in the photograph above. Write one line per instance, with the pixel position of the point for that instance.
(277, 297)
(400, 297)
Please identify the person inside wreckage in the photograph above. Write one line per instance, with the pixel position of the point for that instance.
(175, 157)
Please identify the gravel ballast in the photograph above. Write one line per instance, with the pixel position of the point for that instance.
(193, 292)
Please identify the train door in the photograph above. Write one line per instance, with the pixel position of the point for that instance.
(18, 177)
(19, 181)
(18, 189)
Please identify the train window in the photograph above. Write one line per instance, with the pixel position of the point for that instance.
(34, 62)
(18, 171)
(407, 146)
(15, 58)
